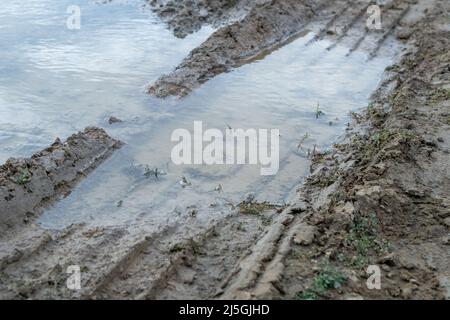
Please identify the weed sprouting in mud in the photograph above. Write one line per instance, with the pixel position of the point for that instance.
(392, 68)
(250, 206)
(381, 139)
(328, 178)
(255, 208)
(318, 111)
(356, 116)
(24, 177)
(301, 147)
(328, 278)
(440, 94)
(259, 209)
(153, 172)
(191, 245)
(363, 237)
(177, 248)
(375, 113)
(302, 141)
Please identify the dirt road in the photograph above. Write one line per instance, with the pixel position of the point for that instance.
(380, 197)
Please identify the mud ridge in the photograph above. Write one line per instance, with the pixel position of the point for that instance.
(29, 185)
(381, 197)
(266, 24)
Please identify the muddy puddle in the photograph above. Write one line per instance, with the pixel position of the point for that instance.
(55, 81)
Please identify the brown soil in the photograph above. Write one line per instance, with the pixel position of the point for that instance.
(264, 26)
(28, 185)
(252, 29)
(380, 197)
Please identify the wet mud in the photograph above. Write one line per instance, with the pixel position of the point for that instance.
(28, 185)
(379, 197)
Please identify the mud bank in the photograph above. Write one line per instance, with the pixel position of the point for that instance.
(264, 26)
(186, 17)
(379, 198)
(28, 185)
(256, 28)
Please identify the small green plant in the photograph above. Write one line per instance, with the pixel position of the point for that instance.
(318, 111)
(375, 113)
(381, 138)
(364, 239)
(356, 116)
(24, 176)
(195, 246)
(447, 120)
(326, 180)
(328, 278)
(308, 294)
(393, 67)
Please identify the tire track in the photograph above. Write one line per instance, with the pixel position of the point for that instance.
(389, 31)
(204, 273)
(320, 35)
(349, 26)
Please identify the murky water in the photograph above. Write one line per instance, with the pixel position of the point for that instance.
(54, 81)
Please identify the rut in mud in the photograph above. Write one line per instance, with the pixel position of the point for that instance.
(266, 251)
(130, 264)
